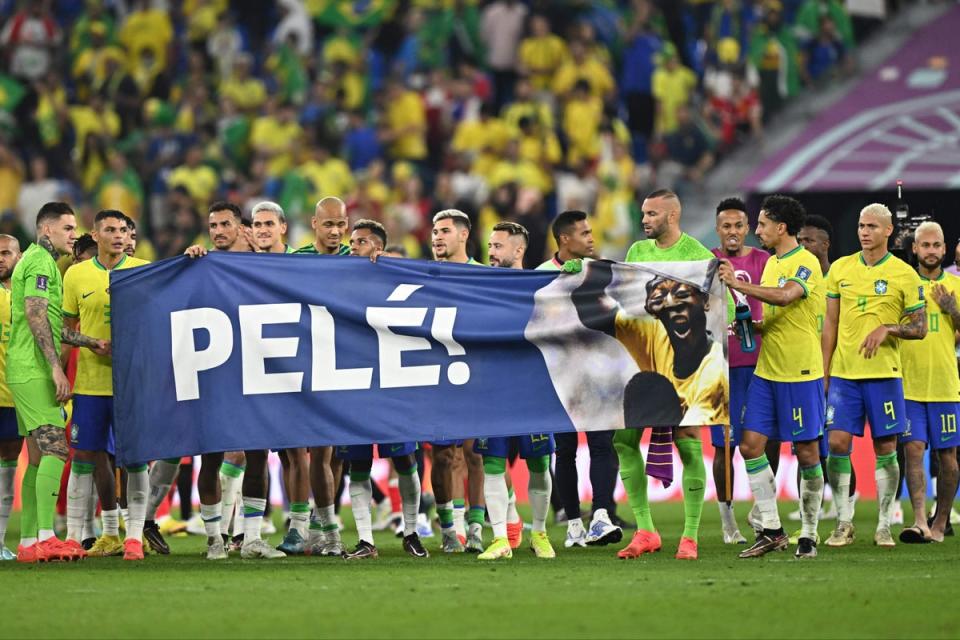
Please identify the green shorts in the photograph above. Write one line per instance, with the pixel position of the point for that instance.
(36, 402)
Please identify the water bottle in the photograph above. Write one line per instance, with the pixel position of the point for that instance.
(745, 324)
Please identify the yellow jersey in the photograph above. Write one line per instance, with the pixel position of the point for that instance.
(86, 296)
(6, 398)
(704, 394)
(790, 351)
(930, 365)
(870, 297)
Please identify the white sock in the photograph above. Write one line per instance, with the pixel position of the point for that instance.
(512, 515)
(328, 523)
(887, 478)
(79, 490)
(231, 488)
(361, 495)
(7, 474)
(253, 509)
(460, 520)
(211, 516)
(111, 521)
(90, 517)
(409, 486)
(45, 534)
(495, 495)
(138, 484)
(811, 497)
(162, 476)
(840, 482)
(728, 519)
(764, 488)
(300, 522)
(124, 517)
(539, 489)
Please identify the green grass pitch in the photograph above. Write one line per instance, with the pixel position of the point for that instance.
(857, 592)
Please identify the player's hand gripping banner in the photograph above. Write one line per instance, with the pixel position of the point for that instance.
(269, 351)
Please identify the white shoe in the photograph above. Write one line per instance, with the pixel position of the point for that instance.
(424, 530)
(260, 548)
(602, 531)
(215, 550)
(195, 526)
(576, 534)
(381, 516)
(794, 516)
(733, 537)
(267, 528)
(474, 538)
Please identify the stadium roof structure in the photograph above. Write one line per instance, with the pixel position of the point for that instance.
(901, 120)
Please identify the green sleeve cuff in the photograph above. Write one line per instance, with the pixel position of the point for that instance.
(71, 315)
(806, 290)
(915, 307)
(835, 296)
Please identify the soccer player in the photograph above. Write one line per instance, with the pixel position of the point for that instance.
(874, 300)
(685, 357)
(815, 238)
(574, 237)
(507, 245)
(329, 223)
(931, 388)
(785, 401)
(86, 305)
(368, 240)
(269, 228)
(37, 381)
(451, 229)
(227, 232)
(10, 441)
(747, 263)
(131, 247)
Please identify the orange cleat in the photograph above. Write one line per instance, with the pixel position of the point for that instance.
(132, 549)
(27, 554)
(76, 548)
(462, 539)
(55, 550)
(515, 533)
(643, 542)
(687, 549)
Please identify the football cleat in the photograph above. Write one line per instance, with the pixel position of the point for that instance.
(260, 548)
(55, 550)
(806, 548)
(842, 536)
(687, 550)
(515, 533)
(132, 549)
(474, 538)
(215, 549)
(498, 549)
(293, 543)
(603, 532)
(450, 541)
(643, 542)
(154, 538)
(540, 544)
(106, 546)
(27, 555)
(424, 530)
(882, 538)
(413, 546)
(766, 543)
(6, 554)
(363, 551)
(576, 534)
(733, 537)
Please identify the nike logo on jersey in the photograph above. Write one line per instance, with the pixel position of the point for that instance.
(798, 432)
(890, 426)
(87, 295)
(844, 284)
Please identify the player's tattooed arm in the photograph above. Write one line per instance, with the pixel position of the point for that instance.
(947, 301)
(36, 311)
(913, 326)
(77, 339)
(595, 308)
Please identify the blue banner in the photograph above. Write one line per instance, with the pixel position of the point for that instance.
(238, 351)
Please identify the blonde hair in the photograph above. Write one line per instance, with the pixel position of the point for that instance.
(929, 227)
(879, 210)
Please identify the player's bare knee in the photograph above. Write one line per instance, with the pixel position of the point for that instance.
(50, 441)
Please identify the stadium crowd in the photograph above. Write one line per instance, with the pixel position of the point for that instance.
(508, 110)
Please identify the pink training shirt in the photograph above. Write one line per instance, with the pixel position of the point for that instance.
(749, 268)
